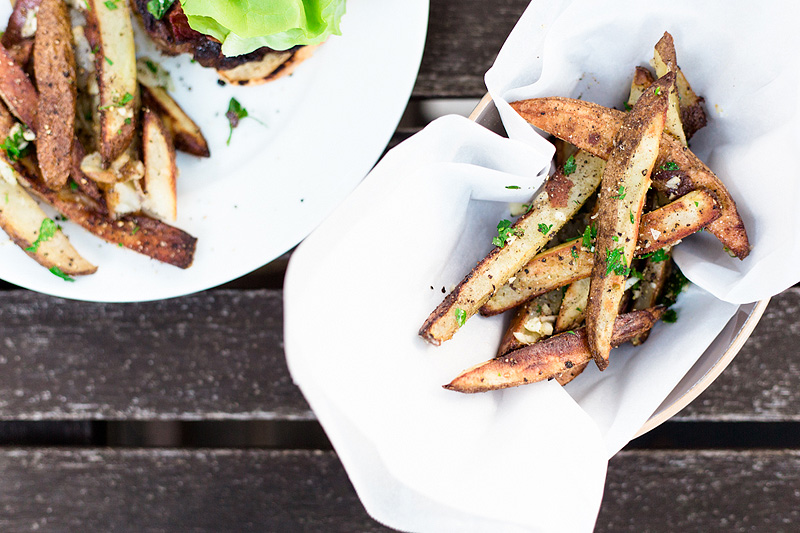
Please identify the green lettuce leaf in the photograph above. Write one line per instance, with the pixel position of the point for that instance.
(245, 25)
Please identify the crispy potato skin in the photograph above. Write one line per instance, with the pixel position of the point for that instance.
(54, 68)
(115, 64)
(17, 91)
(548, 358)
(160, 170)
(539, 307)
(592, 128)
(622, 195)
(495, 269)
(185, 133)
(693, 116)
(568, 262)
(18, 46)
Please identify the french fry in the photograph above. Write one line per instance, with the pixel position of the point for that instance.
(185, 133)
(22, 219)
(115, 64)
(54, 68)
(17, 90)
(654, 278)
(160, 171)
(673, 122)
(18, 37)
(571, 261)
(562, 197)
(573, 307)
(693, 117)
(592, 128)
(626, 181)
(548, 358)
(532, 322)
(642, 79)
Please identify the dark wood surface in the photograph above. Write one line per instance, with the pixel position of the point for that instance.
(181, 416)
(282, 490)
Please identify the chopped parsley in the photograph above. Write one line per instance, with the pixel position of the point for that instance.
(127, 97)
(15, 144)
(73, 186)
(670, 165)
(675, 284)
(670, 316)
(504, 233)
(697, 204)
(135, 230)
(636, 274)
(657, 256)
(152, 67)
(235, 113)
(632, 219)
(628, 106)
(570, 166)
(461, 317)
(111, 5)
(574, 252)
(108, 60)
(589, 235)
(6, 197)
(658, 90)
(620, 194)
(513, 187)
(158, 8)
(544, 228)
(616, 263)
(46, 232)
(60, 273)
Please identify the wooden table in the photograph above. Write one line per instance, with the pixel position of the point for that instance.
(181, 416)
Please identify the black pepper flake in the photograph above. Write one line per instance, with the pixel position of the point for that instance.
(568, 364)
(443, 291)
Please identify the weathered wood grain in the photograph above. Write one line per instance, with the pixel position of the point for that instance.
(213, 355)
(262, 490)
(463, 40)
(762, 384)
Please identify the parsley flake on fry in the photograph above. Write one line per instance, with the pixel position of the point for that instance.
(570, 166)
(616, 263)
(620, 194)
(544, 229)
(46, 232)
(60, 273)
(461, 316)
(670, 165)
(504, 233)
(158, 8)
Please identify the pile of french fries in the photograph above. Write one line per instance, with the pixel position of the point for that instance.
(89, 131)
(630, 189)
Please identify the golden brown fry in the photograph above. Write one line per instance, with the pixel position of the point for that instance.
(642, 79)
(592, 128)
(568, 262)
(654, 278)
(17, 91)
(185, 133)
(549, 357)
(115, 64)
(54, 68)
(532, 322)
(693, 117)
(160, 171)
(573, 306)
(673, 120)
(562, 197)
(622, 195)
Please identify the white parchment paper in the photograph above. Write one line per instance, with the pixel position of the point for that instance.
(425, 459)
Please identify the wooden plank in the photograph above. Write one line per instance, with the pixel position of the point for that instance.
(263, 490)
(463, 41)
(177, 490)
(213, 355)
(762, 384)
(219, 355)
(706, 491)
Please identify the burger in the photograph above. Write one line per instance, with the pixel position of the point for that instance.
(246, 41)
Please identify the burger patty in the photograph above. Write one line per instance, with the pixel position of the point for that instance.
(174, 36)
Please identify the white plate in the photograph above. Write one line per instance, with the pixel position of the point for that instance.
(716, 357)
(325, 126)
